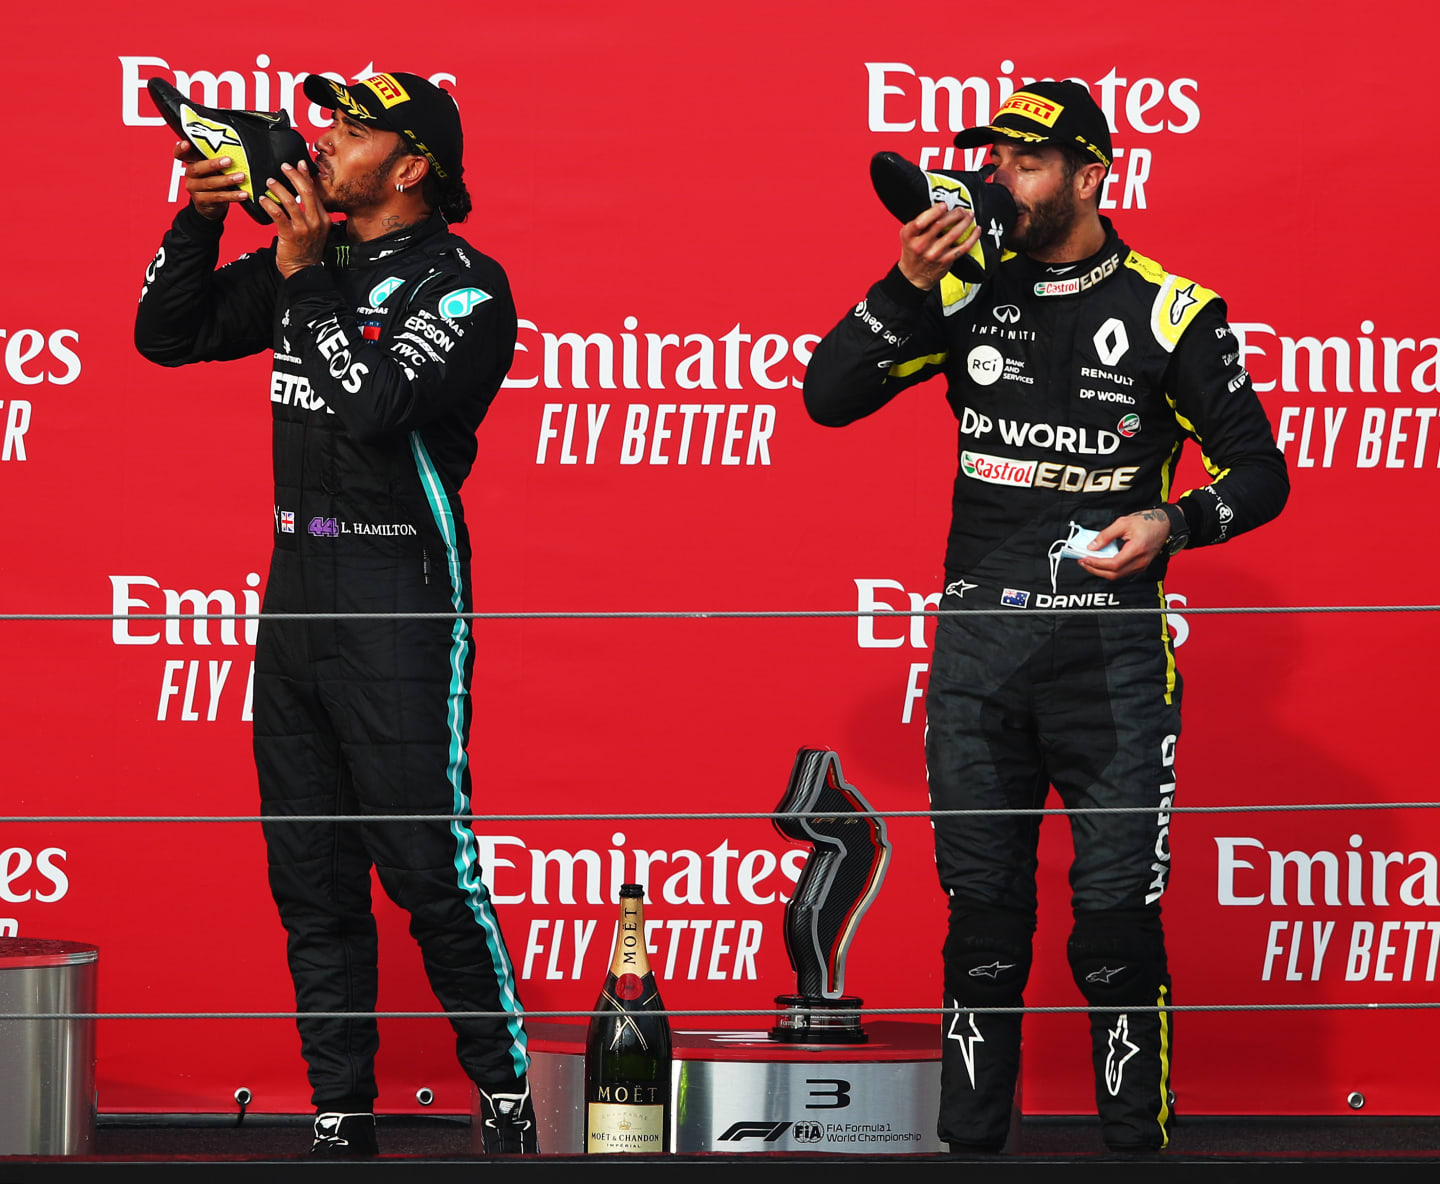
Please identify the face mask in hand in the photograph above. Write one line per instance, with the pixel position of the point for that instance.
(1077, 546)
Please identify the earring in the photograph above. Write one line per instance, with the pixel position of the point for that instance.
(400, 186)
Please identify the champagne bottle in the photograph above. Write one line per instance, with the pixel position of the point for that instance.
(627, 1048)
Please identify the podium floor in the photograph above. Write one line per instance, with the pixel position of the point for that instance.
(441, 1145)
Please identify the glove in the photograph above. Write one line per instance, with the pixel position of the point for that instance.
(907, 192)
(257, 142)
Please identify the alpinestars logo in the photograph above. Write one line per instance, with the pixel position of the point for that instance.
(967, 1043)
(1121, 1050)
(959, 588)
(214, 134)
(1184, 298)
(991, 971)
(1103, 975)
(951, 199)
(996, 231)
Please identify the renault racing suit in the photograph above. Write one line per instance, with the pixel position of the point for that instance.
(1075, 388)
(385, 361)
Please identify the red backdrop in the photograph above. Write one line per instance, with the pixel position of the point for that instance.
(682, 201)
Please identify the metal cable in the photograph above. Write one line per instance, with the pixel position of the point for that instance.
(715, 815)
(768, 1012)
(708, 614)
(711, 815)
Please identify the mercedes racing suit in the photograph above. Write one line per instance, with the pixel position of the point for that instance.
(385, 361)
(1075, 388)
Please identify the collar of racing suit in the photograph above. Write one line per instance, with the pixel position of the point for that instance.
(341, 252)
(1030, 270)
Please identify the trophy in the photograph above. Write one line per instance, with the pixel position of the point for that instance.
(847, 863)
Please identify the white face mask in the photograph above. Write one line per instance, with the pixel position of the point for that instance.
(1077, 546)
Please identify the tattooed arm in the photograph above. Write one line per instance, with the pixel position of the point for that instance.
(1143, 536)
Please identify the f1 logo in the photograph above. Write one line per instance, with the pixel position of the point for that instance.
(769, 1131)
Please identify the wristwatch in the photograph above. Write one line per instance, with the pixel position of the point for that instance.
(1179, 528)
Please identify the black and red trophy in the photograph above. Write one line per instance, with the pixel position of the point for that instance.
(847, 863)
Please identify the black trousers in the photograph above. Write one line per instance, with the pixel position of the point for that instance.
(362, 717)
(1090, 705)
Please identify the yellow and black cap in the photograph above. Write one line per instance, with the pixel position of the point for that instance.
(1048, 113)
(415, 107)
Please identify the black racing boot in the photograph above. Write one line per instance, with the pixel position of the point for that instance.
(344, 1136)
(507, 1123)
(258, 142)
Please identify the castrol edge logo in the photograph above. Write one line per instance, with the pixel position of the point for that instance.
(1044, 111)
(997, 470)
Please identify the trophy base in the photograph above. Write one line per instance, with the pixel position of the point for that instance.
(808, 1019)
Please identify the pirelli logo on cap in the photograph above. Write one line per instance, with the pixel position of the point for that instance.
(1045, 111)
(387, 89)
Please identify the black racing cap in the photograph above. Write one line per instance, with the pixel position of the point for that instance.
(405, 103)
(1048, 113)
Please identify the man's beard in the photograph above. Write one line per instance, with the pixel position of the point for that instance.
(1049, 222)
(355, 194)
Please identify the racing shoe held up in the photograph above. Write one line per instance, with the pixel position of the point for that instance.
(907, 191)
(258, 142)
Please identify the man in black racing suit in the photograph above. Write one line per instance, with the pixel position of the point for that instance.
(1076, 369)
(391, 336)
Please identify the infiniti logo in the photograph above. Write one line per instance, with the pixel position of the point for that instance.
(1006, 314)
